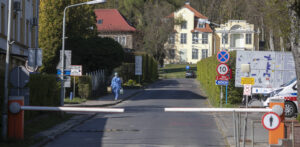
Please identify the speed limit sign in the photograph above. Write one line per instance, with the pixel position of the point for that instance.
(222, 69)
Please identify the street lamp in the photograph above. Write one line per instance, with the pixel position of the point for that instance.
(63, 44)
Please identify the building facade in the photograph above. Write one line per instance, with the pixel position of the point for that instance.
(236, 35)
(110, 23)
(191, 40)
(24, 30)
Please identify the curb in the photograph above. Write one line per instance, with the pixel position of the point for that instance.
(78, 122)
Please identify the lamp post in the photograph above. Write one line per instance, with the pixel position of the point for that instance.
(62, 97)
(5, 100)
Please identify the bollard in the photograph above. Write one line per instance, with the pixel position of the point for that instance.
(275, 135)
(15, 118)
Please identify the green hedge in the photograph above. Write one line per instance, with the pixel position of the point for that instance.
(206, 74)
(149, 69)
(44, 90)
(85, 87)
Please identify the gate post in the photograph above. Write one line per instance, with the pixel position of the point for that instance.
(275, 135)
(15, 117)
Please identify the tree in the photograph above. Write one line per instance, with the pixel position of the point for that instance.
(96, 53)
(294, 13)
(50, 28)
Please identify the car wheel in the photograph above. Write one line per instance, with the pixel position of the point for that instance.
(289, 109)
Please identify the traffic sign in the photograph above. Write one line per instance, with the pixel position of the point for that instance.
(76, 70)
(220, 82)
(247, 89)
(247, 80)
(187, 67)
(222, 77)
(223, 56)
(66, 73)
(270, 121)
(222, 69)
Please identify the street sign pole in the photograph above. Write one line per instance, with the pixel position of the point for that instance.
(221, 96)
(226, 94)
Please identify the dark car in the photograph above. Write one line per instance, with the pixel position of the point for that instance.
(190, 74)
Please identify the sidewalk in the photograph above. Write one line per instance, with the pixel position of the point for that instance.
(225, 123)
(104, 101)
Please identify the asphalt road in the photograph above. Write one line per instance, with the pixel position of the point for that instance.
(144, 124)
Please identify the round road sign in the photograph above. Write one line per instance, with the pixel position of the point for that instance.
(223, 56)
(270, 121)
(222, 69)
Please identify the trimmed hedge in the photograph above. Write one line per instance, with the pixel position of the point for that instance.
(44, 90)
(149, 69)
(206, 74)
(85, 87)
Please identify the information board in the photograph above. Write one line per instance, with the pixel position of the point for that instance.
(138, 65)
(270, 69)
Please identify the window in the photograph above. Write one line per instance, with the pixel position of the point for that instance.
(183, 38)
(2, 18)
(248, 38)
(194, 53)
(123, 40)
(201, 25)
(225, 38)
(204, 53)
(204, 38)
(172, 53)
(195, 37)
(100, 21)
(172, 38)
(183, 25)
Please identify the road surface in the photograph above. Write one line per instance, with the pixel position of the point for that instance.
(144, 124)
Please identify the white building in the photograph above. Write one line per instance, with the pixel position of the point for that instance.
(24, 30)
(191, 40)
(236, 35)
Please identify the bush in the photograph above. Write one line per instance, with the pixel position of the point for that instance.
(44, 91)
(84, 87)
(206, 72)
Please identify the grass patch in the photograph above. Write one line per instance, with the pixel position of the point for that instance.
(171, 71)
(75, 100)
(35, 126)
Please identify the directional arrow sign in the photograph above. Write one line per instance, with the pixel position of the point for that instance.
(219, 82)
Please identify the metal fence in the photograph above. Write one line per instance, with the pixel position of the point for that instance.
(98, 82)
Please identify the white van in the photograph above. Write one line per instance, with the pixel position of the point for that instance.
(288, 92)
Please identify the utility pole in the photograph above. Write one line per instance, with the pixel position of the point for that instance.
(5, 101)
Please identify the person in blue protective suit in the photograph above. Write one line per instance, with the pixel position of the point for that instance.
(116, 85)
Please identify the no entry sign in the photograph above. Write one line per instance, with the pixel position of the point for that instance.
(222, 69)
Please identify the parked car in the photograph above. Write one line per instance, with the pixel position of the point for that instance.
(190, 74)
(288, 92)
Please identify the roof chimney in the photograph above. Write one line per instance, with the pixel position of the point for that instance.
(187, 3)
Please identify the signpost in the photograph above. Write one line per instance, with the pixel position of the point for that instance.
(138, 66)
(76, 70)
(247, 80)
(270, 121)
(247, 90)
(223, 56)
(222, 69)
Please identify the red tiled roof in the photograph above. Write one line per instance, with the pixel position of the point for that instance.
(207, 29)
(197, 14)
(113, 21)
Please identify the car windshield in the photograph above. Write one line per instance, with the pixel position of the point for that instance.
(288, 83)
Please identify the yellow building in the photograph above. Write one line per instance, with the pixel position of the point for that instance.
(192, 38)
(236, 35)
(24, 30)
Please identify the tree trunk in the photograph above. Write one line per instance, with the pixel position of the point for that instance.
(271, 42)
(295, 44)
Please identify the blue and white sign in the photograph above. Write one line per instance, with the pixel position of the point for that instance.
(219, 82)
(223, 56)
(66, 73)
(187, 67)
